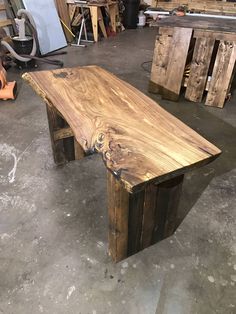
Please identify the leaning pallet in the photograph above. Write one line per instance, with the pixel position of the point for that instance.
(209, 56)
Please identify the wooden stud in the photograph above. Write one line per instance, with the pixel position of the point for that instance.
(199, 69)
(222, 73)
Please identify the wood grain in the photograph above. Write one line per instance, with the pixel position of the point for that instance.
(222, 74)
(177, 57)
(139, 141)
(199, 69)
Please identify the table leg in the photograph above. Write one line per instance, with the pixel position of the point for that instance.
(112, 13)
(65, 148)
(101, 23)
(139, 220)
(94, 19)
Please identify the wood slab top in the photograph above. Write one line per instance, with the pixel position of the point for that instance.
(198, 22)
(139, 141)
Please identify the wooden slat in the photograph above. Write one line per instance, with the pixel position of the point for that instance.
(199, 33)
(118, 212)
(221, 76)
(199, 69)
(160, 62)
(62, 133)
(2, 7)
(55, 122)
(135, 222)
(149, 213)
(177, 58)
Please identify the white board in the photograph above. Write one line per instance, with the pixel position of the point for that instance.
(50, 33)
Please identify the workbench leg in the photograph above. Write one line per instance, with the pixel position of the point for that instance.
(94, 19)
(101, 23)
(139, 220)
(64, 146)
(112, 13)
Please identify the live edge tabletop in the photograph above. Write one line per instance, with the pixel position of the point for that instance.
(141, 144)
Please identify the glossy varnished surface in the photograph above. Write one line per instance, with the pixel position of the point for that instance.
(139, 141)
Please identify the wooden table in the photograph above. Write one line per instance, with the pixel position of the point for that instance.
(207, 46)
(145, 149)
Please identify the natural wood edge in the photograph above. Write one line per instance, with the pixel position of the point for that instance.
(178, 172)
(131, 189)
(26, 76)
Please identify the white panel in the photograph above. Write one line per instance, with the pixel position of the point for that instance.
(50, 33)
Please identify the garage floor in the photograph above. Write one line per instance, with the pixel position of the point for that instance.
(53, 221)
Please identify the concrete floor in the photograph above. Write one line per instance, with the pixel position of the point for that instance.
(53, 221)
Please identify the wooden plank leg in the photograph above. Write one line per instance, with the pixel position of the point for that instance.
(139, 220)
(94, 19)
(118, 212)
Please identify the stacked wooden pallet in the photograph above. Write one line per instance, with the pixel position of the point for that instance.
(207, 47)
(217, 7)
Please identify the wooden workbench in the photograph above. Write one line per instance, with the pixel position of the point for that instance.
(206, 46)
(145, 149)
